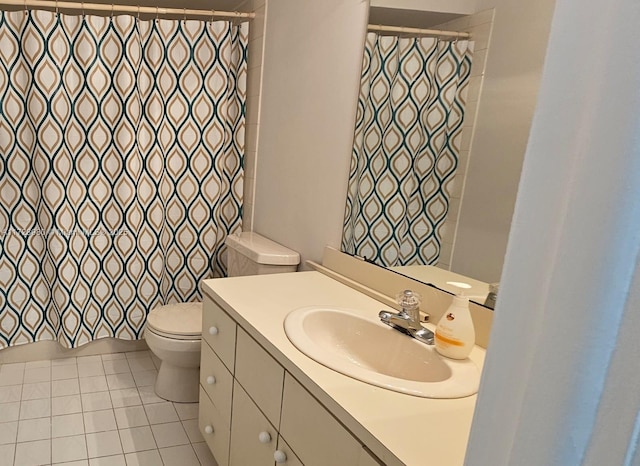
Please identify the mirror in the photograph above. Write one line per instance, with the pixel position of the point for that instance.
(476, 290)
(493, 142)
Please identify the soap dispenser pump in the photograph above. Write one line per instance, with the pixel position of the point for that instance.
(455, 335)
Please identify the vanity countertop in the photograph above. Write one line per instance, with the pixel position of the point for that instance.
(398, 428)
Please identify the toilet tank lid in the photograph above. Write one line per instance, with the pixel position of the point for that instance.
(262, 250)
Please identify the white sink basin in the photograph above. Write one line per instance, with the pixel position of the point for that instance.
(365, 349)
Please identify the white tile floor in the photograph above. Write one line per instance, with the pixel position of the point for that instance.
(94, 411)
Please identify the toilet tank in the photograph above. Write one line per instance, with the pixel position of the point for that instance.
(251, 254)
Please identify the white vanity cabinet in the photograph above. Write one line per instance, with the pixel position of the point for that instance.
(260, 375)
(253, 412)
(317, 437)
(216, 381)
(253, 438)
(219, 332)
(291, 458)
(213, 428)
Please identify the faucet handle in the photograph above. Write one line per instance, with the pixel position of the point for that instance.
(492, 296)
(408, 300)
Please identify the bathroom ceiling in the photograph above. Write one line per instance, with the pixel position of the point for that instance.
(378, 15)
(220, 5)
(408, 18)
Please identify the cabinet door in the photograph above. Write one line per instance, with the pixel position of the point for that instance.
(314, 434)
(253, 438)
(213, 429)
(217, 381)
(290, 457)
(219, 331)
(260, 375)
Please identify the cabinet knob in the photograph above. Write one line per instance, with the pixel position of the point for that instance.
(280, 456)
(211, 380)
(213, 330)
(264, 437)
(208, 429)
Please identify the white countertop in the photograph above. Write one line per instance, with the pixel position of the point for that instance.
(398, 428)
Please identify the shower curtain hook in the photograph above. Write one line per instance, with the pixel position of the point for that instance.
(112, 7)
(138, 13)
(82, 6)
(185, 14)
(157, 12)
(57, 10)
(213, 15)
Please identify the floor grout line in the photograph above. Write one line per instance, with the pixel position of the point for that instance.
(34, 374)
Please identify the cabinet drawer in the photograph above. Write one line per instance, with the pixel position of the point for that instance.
(260, 375)
(219, 330)
(217, 381)
(247, 446)
(292, 459)
(218, 439)
(314, 434)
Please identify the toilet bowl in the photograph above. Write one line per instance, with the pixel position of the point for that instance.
(174, 335)
(174, 332)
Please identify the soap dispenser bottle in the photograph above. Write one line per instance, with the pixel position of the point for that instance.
(455, 335)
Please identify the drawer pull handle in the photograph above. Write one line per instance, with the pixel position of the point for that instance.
(208, 429)
(280, 456)
(264, 437)
(213, 330)
(211, 380)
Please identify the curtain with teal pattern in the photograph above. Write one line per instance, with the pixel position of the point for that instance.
(121, 147)
(406, 145)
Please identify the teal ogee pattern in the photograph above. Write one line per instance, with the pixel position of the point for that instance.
(406, 145)
(121, 148)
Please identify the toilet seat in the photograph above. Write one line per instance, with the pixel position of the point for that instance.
(182, 321)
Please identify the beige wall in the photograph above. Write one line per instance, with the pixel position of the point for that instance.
(255, 56)
(304, 127)
(479, 25)
(509, 94)
(311, 72)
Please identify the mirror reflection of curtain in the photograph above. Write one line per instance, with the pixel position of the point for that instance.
(406, 146)
(121, 145)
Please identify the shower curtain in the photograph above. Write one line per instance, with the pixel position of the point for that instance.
(406, 145)
(121, 149)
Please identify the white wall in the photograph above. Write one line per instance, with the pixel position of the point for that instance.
(479, 25)
(311, 76)
(255, 56)
(511, 81)
(463, 7)
(560, 381)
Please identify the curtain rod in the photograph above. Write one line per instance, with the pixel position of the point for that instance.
(116, 8)
(419, 32)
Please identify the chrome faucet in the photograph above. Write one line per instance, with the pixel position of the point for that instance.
(408, 319)
(492, 296)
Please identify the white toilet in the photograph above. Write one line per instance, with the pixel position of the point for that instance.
(174, 332)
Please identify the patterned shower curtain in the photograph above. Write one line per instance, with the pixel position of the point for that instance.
(121, 147)
(406, 145)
